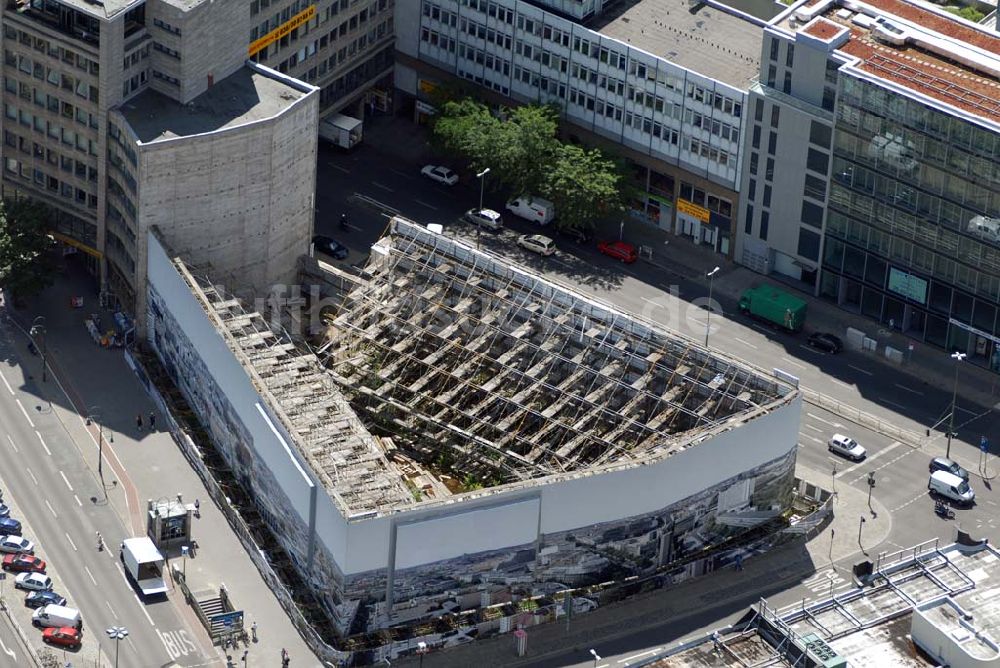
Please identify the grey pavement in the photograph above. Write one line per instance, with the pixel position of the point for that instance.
(150, 462)
(665, 616)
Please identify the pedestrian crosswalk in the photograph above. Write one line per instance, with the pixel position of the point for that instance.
(822, 582)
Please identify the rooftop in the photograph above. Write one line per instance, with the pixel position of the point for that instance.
(245, 96)
(910, 46)
(710, 39)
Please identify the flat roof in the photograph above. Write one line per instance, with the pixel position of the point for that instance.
(929, 52)
(245, 96)
(709, 39)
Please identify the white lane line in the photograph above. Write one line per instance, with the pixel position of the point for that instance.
(641, 654)
(11, 441)
(45, 447)
(811, 349)
(66, 480)
(51, 509)
(92, 579)
(811, 438)
(382, 186)
(893, 403)
(429, 206)
(78, 501)
(868, 460)
(910, 390)
(9, 388)
(761, 328)
(860, 370)
(809, 426)
(792, 362)
(339, 168)
(71, 542)
(818, 418)
(561, 263)
(113, 613)
(26, 416)
(33, 478)
(401, 173)
(840, 382)
(746, 343)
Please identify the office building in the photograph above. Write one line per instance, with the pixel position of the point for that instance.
(661, 83)
(876, 178)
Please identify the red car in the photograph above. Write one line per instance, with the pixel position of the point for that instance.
(619, 250)
(25, 563)
(67, 636)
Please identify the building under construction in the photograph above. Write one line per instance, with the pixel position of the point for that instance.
(467, 432)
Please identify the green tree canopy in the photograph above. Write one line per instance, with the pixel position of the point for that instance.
(584, 185)
(26, 265)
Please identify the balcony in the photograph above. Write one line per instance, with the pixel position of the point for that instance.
(61, 18)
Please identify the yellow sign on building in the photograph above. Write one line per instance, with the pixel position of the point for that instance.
(283, 30)
(693, 210)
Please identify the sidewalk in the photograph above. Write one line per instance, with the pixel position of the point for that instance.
(716, 595)
(150, 462)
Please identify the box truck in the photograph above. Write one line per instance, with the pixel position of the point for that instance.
(341, 131)
(144, 564)
(535, 209)
(768, 303)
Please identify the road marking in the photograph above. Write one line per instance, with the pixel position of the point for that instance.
(11, 441)
(113, 613)
(92, 579)
(811, 438)
(761, 328)
(66, 480)
(820, 583)
(429, 206)
(636, 656)
(840, 382)
(868, 460)
(45, 447)
(893, 403)
(816, 417)
(403, 174)
(78, 501)
(746, 343)
(339, 168)
(904, 387)
(786, 360)
(32, 475)
(26, 416)
(8, 652)
(9, 388)
(860, 370)
(809, 426)
(561, 263)
(382, 186)
(51, 509)
(71, 542)
(811, 349)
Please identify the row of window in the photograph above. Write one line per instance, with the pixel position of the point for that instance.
(53, 103)
(82, 170)
(492, 9)
(490, 35)
(54, 77)
(52, 49)
(42, 126)
(51, 183)
(702, 148)
(487, 60)
(163, 25)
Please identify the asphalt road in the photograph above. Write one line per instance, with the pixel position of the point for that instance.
(900, 469)
(62, 506)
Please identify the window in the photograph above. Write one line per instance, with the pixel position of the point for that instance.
(820, 134)
(754, 159)
(774, 49)
(748, 221)
(786, 85)
(752, 189)
(775, 115)
(767, 196)
(765, 219)
(769, 171)
(817, 161)
(772, 143)
(812, 214)
(758, 110)
(772, 74)
(756, 136)
(808, 244)
(815, 188)
(790, 55)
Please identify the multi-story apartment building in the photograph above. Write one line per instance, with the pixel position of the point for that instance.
(75, 69)
(662, 83)
(876, 181)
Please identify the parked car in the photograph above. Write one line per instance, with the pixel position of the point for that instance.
(23, 563)
(9, 526)
(945, 464)
(536, 243)
(845, 446)
(330, 246)
(4, 510)
(828, 343)
(619, 250)
(487, 218)
(13, 544)
(37, 599)
(33, 581)
(64, 636)
(440, 174)
(577, 235)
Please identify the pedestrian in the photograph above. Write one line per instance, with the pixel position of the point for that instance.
(152, 420)
(253, 631)
(284, 657)
(739, 562)
(197, 513)
(138, 422)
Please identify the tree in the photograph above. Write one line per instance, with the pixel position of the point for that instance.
(585, 186)
(532, 132)
(26, 265)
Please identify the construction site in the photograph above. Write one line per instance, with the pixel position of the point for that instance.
(461, 433)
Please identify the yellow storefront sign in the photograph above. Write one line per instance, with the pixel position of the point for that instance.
(70, 241)
(693, 210)
(281, 31)
(427, 87)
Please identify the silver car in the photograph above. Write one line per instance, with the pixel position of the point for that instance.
(845, 446)
(487, 218)
(536, 243)
(15, 544)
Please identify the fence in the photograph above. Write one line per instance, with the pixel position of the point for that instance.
(862, 418)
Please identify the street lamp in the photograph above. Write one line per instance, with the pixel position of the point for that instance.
(708, 319)
(597, 657)
(958, 357)
(871, 486)
(861, 525)
(117, 633)
(93, 415)
(38, 328)
(422, 646)
(482, 182)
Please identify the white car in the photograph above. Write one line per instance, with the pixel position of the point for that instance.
(845, 446)
(536, 243)
(15, 544)
(33, 581)
(440, 174)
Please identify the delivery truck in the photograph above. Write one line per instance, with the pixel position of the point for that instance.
(144, 564)
(341, 131)
(775, 306)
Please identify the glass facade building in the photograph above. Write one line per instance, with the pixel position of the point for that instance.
(913, 227)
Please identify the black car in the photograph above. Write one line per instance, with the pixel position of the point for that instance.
(948, 466)
(577, 235)
(329, 246)
(37, 599)
(9, 526)
(828, 343)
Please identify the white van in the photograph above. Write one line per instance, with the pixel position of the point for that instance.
(951, 487)
(535, 209)
(53, 615)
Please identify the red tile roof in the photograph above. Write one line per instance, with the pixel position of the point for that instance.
(823, 29)
(938, 23)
